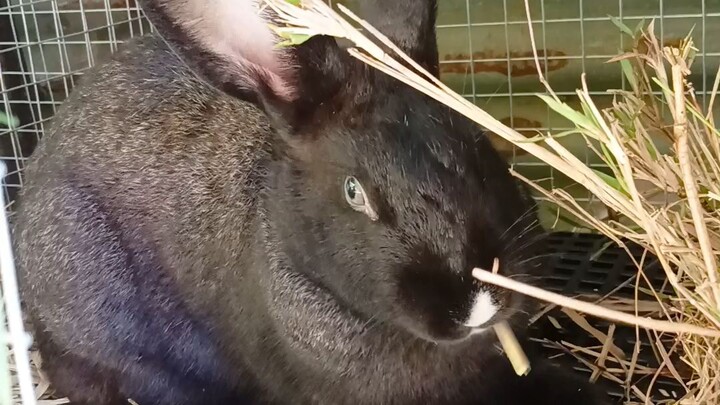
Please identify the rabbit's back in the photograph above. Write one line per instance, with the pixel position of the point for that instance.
(154, 146)
(146, 183)
(144, 117)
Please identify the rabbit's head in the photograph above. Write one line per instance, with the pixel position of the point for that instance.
(378, 194)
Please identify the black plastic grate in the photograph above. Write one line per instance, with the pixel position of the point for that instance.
(591, 264)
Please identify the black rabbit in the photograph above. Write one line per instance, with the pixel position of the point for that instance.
(215, 220)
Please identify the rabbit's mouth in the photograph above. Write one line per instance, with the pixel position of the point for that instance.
(452, 332)
(455, 332)
(452, 321)
(449, 308)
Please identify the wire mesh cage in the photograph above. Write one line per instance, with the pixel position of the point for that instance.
(46, 45)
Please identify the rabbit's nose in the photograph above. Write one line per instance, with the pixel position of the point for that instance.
(482, 310)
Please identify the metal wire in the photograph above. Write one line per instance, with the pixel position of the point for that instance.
(46, 46)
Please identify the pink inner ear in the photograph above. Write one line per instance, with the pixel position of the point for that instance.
(237, 30)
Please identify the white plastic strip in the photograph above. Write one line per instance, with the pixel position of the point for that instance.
(19, 339)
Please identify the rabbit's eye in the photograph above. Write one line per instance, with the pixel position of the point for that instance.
(354, 192)
(355, 196)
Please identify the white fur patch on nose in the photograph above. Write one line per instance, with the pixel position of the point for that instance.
(482, 310)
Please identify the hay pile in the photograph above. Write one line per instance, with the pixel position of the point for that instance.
(662, 149)
(662, 188)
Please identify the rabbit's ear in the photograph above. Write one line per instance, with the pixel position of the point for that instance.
(230, 45)
(410, 24)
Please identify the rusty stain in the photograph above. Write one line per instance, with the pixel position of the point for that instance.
(123, 3)
(528, 130)
(642, 47)
(517, 67)
(113, 3)
(97, 4)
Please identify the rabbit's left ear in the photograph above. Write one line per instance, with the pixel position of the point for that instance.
(230, 45)
(409, 24)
